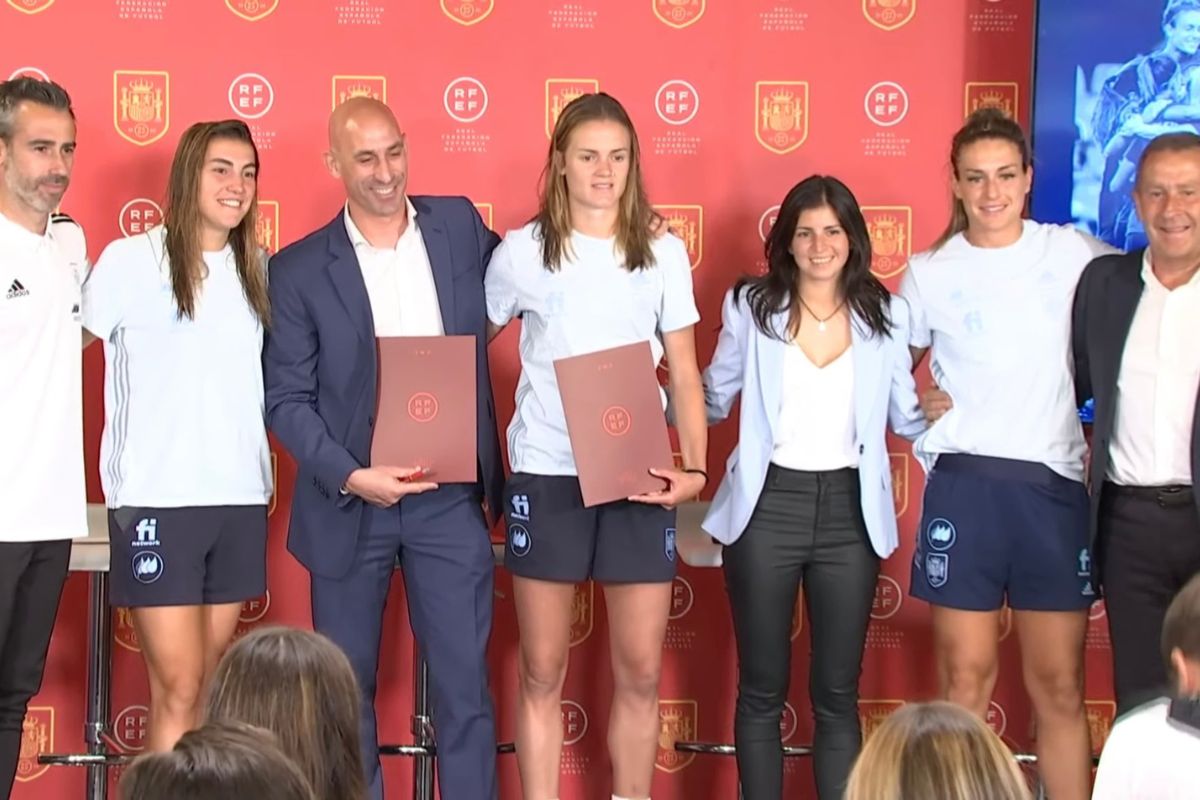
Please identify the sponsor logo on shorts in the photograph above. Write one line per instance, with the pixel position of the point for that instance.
(669, 544)
(940, 534)
(147, 533)
(1085, 564)
(937, 569)
(519, 540)
(147, 567)
(520, 507)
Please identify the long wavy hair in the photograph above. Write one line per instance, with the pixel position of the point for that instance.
(984, 123)
(300, 686)
(777, 290)
(184, 224)
(636, 216)
(935, 750)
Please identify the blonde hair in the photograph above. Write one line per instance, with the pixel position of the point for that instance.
(636, 217)
(300, 686)
(935, 750)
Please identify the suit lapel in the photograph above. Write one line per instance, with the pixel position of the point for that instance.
(437, 247)
(769, 355)
(347, 279)
(865, 351)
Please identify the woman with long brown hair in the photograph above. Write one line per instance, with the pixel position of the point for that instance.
(588, 273)
(1005, 511)
(301, 687)
(184, 460)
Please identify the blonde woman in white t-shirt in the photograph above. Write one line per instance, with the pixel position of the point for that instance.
(184, 461)
(590, 273)
(1005, 516)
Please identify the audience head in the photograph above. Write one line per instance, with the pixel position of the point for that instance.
(935, 750)
(219, 761)
(1181, 640)
(301, 687)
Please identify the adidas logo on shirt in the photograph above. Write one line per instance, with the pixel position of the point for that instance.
(16, 290)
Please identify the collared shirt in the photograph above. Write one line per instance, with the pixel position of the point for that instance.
(1148, 756)
(1157, 386)
(43, 494)
(998, 321)
(400, 287)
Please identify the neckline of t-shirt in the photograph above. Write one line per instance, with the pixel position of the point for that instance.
(222, 256)
(1027, 228)
(588, 238)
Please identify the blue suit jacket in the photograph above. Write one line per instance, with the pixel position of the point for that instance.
(319, 364)
(749, 362)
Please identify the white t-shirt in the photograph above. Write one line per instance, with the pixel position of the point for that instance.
(999, 322)
(591, 303)
(1149, 756)
(183, 399)
(43, 495)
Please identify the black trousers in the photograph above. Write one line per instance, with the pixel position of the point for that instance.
(1149, 547)
(32, 575)
(807, 529)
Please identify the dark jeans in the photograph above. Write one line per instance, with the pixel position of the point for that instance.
(1149, 547)
(806, 530)
(32, 575)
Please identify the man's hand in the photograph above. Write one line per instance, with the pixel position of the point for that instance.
(384, 486)
(681, 487)
(935, 403)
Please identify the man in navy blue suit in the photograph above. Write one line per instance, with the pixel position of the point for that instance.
(388, 265)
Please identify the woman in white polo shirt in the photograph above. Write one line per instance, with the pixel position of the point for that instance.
(590, 273)
(184, 460)
(1005, 516)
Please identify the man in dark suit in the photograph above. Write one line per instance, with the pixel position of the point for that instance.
(1137, 352)
(388, 265)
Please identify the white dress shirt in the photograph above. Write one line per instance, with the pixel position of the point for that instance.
(1157, 385)
(399, 281)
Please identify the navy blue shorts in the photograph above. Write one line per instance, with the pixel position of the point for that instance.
(995, 527)
(553, 537)
(201, 555)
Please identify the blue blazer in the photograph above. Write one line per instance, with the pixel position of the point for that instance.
(749, 362)
(320, 364)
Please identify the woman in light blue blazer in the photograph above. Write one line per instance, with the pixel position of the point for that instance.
(818, 348)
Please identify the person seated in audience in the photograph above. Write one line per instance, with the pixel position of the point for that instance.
(935, 750)
(300, 686)
(218, 761)
(1153, 749)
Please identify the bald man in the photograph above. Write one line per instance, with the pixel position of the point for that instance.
(387, 265)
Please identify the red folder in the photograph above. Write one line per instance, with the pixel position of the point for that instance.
(616, 422)
(426, 412)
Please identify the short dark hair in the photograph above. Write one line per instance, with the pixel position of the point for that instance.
(1177, 142)
(29, 90)
(1181, 626)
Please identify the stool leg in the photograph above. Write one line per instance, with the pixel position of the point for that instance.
(422, 729)
(97, 713)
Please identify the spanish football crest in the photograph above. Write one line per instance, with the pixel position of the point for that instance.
(677, 723)
(890, 228)
(1100, 717)
(900, 475)
(268, 239)
(678, 13)
(872, 713)
(31, 6)
(1003, 95)
(686, 222)
(889, 14)
(141, 104)
(37, 737)
(582, 612)
(560, 92)
(348, 86)
(252, 10)
(487, 213)
(468, 12)
(781, 118)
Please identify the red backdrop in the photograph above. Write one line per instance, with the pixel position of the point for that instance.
(735, 101)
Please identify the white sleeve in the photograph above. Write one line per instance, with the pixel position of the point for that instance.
(1118, 766)
(107, 291)
(678, 309)
(919, 334)
(500, 285)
